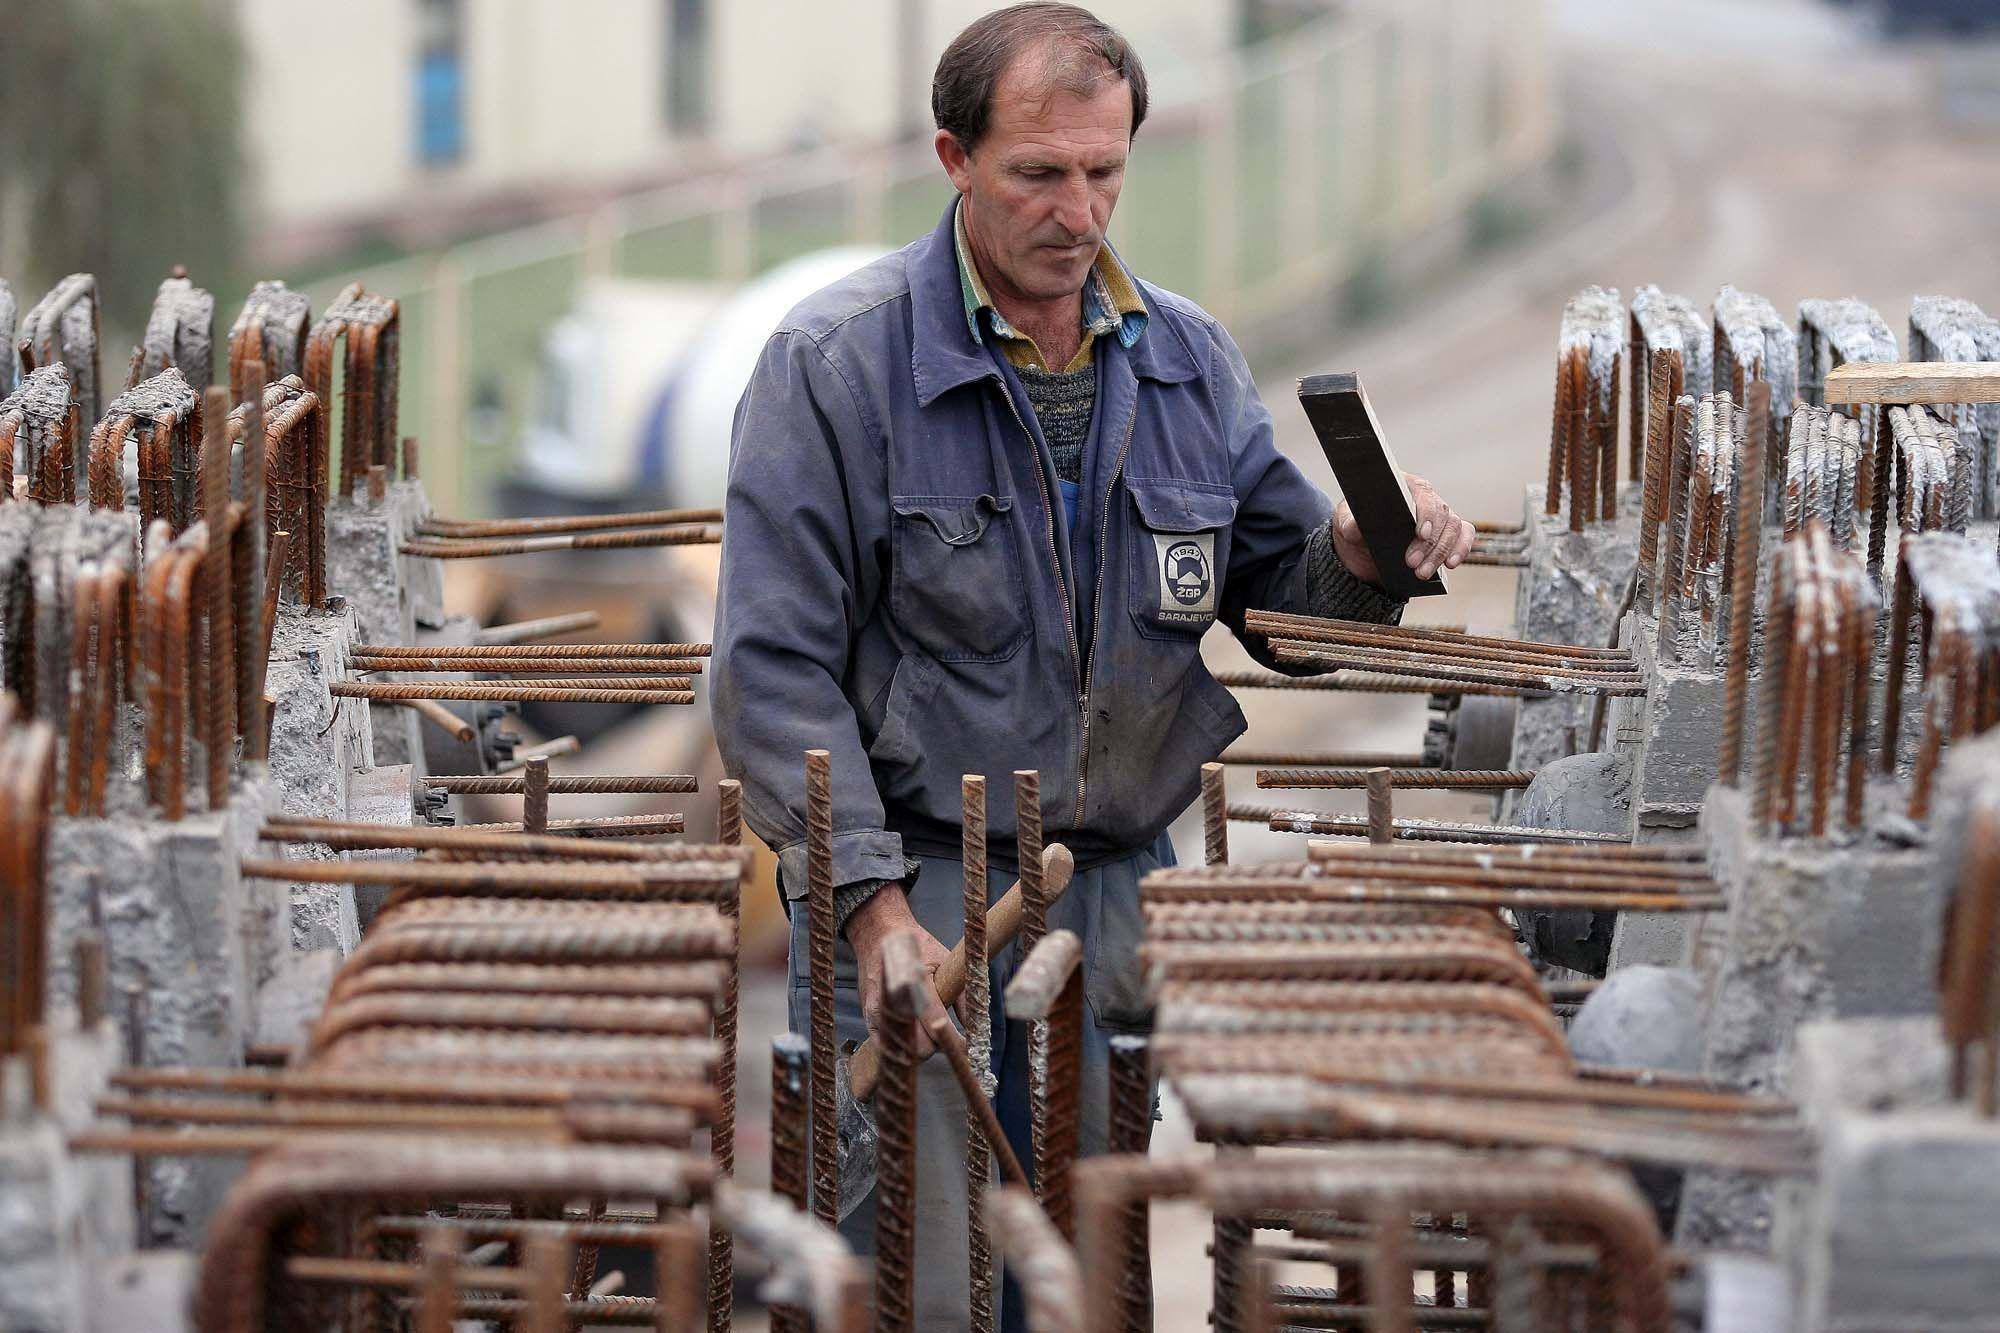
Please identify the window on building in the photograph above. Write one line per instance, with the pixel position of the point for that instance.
(687, 66)
(440, 75)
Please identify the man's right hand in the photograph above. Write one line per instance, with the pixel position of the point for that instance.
(887, 912)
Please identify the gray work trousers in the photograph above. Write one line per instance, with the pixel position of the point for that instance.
(1102, 907)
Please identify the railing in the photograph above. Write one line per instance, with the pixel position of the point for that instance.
(1307, 157)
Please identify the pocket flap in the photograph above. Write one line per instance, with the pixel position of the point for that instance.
(1180, 506)
(959, 520)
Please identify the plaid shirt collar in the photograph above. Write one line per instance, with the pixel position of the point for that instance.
(1111, 299)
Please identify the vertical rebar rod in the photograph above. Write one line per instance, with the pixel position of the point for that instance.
(1576, 429)
(1745, 551)
(975, 1008)
(1652, 496)
(1680, 465)
(1214, 815)
(1034, 925)
(1130, 1131)
(535, 796)
(677, 1258)
(437, 1290)
(1558, 437)
(1381, 805)
(791, 1061)
(896, 1142)
(819, 962)
(722, 1133)
(1028, 855)
(1056, 1152)
(1607, 444)
(1901, 608)
(1881, 484)
(218, 624)
(1777, 684)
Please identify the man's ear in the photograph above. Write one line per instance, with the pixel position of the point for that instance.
(956, 161)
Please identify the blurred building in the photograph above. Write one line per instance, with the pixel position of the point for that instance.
(428, 117)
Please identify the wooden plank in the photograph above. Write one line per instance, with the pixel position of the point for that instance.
(1914, 382)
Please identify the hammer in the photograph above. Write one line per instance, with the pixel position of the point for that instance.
(859, 1072)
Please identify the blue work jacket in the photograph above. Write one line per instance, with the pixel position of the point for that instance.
(899, 586)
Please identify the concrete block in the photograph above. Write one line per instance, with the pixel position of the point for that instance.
(1897, 1233)
(317, 741)
(62, 1217)
(1570, 592)
(289, 1003)
(390, 593)
(380, 796)
(152, 1289)
(1815, 930)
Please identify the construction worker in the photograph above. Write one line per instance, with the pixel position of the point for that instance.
(985, 495)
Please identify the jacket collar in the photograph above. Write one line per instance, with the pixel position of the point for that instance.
(944, 354)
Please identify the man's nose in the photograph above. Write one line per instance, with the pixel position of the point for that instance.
(1073, 205)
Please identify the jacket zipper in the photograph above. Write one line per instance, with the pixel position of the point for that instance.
(1055, 560)
(1097, 611)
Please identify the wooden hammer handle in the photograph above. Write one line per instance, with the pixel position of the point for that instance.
(1003, 923)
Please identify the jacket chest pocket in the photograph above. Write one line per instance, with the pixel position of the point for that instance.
(956, 588)
(1179, 549)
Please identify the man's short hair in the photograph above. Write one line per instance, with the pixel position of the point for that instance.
(1082, 51)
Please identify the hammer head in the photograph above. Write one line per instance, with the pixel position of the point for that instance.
(855, 1130)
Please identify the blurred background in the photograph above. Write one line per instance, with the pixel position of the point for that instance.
(594, 211)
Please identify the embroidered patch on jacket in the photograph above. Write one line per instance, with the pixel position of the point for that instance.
(1186, 562)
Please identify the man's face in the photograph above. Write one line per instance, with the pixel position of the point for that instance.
(1040, 186)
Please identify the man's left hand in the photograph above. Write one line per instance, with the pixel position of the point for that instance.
(1443, 538)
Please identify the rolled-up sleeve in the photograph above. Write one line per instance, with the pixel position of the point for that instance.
(801, 570)
(1281, 551)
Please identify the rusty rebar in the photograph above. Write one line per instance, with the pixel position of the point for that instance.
(819, 951)
(722, 1132)
(527, 652)
(791, 1059)
(896, 1129)
(600, 826)
(1652, 506)
(1130, 1131)
(1322, 759)
(525, 527)
(534, 671)
(1558, 436)
(1381, 804)
(1361, 684)
(659, 784)
(1047, 989)
(477, 549)
(471, 840)
(1403, 779)
(1327, 823)
(435, 713)
(975, 1007)
(1417, 666)
(503, 692)
(544, 627)
(1745, 549)
(1214, 815)
(1578, 470)
(1028, 857)
(535, 796)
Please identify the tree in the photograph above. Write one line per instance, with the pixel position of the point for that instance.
(120, 147)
